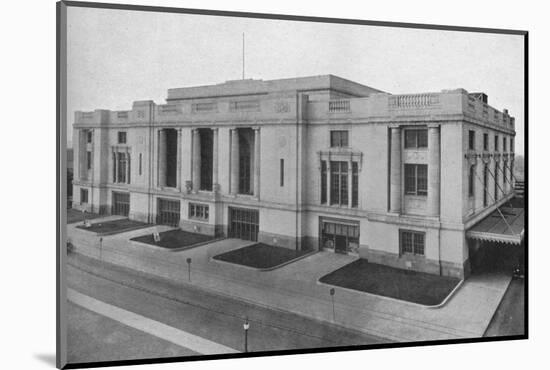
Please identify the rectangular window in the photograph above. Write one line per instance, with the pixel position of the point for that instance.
(339, 139)
(355, 185)
(282, 173)
(471, 181)
(512, 144)
(339, 183)
(122, 137)
(471, 140)
(496, 143)
(198, 211)
(485, 141)
(89, 160)
(496, 181)
(416, 179)
(323, 182)
(504, 144)
(88, 136)
(416, 138)
(412, 242)
(140, 164)
(83, 196)
(485, 191)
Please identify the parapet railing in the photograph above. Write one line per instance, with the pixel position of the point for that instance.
(413, 100)
(336, 106)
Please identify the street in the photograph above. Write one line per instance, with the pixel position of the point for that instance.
(188, 310)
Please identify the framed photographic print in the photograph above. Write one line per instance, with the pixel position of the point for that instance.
(241, 184)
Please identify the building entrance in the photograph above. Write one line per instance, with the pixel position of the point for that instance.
(168, 212)
(339, 236)
(121, 204)
(244, 223)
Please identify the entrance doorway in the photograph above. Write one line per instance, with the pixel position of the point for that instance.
(121, 204)
(168, 212)
(244, 223)
(339, 236)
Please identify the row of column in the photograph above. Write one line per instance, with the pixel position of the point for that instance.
(196, 160)
(396, 169)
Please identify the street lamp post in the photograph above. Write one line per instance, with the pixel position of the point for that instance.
(100, 249)
(332, 291)
(246, 326)
(189, 268)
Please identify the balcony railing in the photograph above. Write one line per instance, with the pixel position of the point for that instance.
(413, 100)
(336, 106)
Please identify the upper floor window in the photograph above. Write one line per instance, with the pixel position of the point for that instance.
(412, 242)
(485, 141)
(496, 143)
(416, 138)
(282, 173)
(339, 139)
(89, 136)
(122, 137)
(504, 146)
(512, 144)
(471, 181)
(416, 179)
(471, 140)
(88, 160)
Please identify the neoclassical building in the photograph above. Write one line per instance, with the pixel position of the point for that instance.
(315, 162)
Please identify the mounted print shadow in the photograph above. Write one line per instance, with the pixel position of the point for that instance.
(244, 185)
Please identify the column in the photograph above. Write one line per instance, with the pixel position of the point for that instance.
(196, 160)
(434, 159)
(215, 185)
(257, 162)
(395, 170)
(178, 162)
(350, 181)
(234, 161)
(162, 158)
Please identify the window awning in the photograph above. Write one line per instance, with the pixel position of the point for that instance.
(505, 224)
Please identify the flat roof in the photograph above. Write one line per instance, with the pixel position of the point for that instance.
(505, 224)
(255, 87)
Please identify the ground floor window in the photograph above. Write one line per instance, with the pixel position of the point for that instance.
(244, 223)
(121, 204)
(199, 211)
(412, 242)
(83, 196)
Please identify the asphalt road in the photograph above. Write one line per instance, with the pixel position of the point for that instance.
(213, 317)
(509, 316)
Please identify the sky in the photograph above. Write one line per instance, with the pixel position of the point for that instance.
(115, 57)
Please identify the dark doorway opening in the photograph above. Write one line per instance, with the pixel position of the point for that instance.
(121, 204)
(244, 223)
(168, 212)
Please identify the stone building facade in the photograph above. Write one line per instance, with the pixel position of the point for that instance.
(311, 163)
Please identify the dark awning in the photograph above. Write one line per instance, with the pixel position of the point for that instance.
(506, 226)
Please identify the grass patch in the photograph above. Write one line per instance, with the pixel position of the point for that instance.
(411, 286)
(174, 239)
(261, 256)
(114, 226)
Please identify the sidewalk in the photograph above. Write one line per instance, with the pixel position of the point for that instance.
(294, 288)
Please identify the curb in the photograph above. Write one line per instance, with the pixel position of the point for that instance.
(439, 305)
(265, 269)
